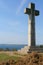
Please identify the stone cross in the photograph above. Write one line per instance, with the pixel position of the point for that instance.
(31, 24)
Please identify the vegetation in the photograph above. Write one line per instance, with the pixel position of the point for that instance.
(7, 49)
(41, 46)
(14, 49)
(1, 49)
(33, 58)
(4, 57)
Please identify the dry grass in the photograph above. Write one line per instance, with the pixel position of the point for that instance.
(33, 58)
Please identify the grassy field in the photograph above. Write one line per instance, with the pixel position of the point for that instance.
(16, 59)
(5, 57)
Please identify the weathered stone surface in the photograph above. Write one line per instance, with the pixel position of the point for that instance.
(31, 30)
(28, 49)
(31, 23)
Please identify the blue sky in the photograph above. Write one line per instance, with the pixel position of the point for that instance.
(14, 23)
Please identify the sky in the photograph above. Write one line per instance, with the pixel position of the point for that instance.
(14, 23)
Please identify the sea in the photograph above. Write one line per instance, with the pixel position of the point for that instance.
(12, 46)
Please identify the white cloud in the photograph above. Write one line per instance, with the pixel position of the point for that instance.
(21, 5)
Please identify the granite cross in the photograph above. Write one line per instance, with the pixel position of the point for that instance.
(31, 30)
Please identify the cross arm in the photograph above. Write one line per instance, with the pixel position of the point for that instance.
(36, 12)
(27, 11)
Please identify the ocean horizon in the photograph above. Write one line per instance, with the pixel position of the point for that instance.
(12, 46)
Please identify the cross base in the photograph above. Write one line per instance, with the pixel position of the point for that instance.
(28, 49)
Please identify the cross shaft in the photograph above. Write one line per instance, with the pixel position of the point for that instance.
(31, 24)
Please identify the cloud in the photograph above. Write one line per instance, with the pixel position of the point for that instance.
(21, 5)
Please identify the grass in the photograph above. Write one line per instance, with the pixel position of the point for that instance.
(4, 57)
(29, 59)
